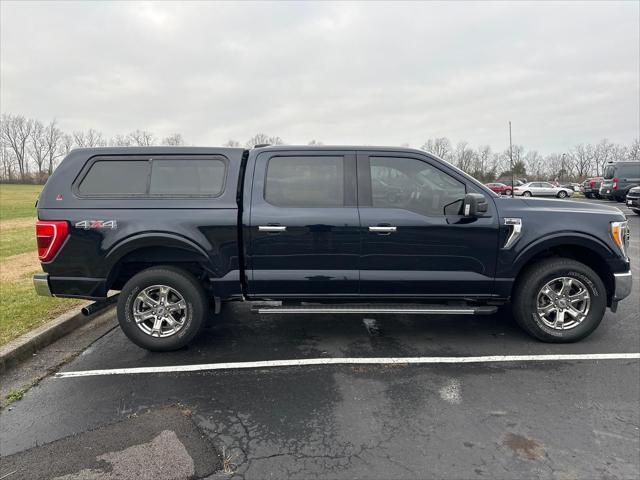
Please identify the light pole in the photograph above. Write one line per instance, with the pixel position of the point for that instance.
(562, 166)
(511, 160)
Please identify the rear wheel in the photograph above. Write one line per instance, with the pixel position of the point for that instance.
(559, 300)
(562, 194)
(507, 192)
(526, 194)
(162, 308)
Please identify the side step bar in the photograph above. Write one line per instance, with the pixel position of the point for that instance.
(384, 309)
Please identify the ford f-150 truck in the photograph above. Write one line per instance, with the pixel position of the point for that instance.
(179, 231)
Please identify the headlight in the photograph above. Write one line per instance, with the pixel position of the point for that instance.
(620, 234)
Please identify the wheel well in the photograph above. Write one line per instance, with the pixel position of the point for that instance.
(581, 254)
(143, 258)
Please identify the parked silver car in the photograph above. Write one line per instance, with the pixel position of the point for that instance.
(542, 189)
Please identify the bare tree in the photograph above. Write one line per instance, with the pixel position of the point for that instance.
(481, 167)
(581, 160)
(66, 144)
(633, 152)
(38, 146)
(7, 157)
(142, 138)
(121, 141)
(54, 139)
(535, 164)
(604, 152)
(88, 139)
(175, 139)
(262, 139)
(464, 156)
(16, 131)
(231, 143)
(438, 146)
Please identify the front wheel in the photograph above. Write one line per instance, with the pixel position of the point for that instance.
(162, 308)
(526, 194)
(562, 194)
(559, 300)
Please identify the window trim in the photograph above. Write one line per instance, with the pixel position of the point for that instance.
(75, 188)
(365, 193)
(349, 197)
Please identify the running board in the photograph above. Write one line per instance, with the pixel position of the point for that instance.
(385, 309)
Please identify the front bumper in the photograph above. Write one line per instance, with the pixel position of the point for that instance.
(622, 285)
(41, 284)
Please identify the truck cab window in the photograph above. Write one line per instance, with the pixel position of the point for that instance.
(310, 181)
(414, 185)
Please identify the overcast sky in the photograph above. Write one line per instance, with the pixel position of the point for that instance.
(383, 74)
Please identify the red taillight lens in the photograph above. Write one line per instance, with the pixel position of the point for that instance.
(50, 236)
(615, 184)
(592, 184)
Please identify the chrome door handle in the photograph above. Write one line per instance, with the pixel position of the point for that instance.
(272, 228)
(382, 230)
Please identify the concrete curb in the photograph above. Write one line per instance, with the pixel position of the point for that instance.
(29, 343)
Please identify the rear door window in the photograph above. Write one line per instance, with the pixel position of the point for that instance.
(305, 181)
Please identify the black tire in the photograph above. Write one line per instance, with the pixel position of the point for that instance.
(534, 278)
(181, 281)
(598, 196)
(527, 194)
(636, 211)
(507, 193)
(562, 194)
(619, 199)
(588, 195)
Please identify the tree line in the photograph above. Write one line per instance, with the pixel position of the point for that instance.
(30, 150)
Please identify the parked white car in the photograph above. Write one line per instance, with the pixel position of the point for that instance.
(542, 189)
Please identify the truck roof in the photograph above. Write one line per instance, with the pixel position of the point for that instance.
(209, 150)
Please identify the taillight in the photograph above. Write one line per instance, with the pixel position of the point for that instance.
(592, 184)
(50, 236)
(615, 184)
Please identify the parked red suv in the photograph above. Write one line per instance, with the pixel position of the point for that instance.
(500, 188)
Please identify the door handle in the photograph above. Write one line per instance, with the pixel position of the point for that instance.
(272, 228)
(382, 230)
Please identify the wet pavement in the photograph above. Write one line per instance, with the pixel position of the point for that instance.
(551, 419)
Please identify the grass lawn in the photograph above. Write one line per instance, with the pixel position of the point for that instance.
(18, 201)
(20, 308)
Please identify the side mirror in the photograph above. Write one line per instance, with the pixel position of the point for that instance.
(475, 204)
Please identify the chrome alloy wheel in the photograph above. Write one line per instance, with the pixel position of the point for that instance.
(160, 311)
(563, 303)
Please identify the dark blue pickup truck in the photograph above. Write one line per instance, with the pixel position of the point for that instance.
(181, 230)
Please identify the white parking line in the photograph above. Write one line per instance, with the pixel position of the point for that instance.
(351, 361)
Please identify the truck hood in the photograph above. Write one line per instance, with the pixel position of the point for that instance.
(558, 206)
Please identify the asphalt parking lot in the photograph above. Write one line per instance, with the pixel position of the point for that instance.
(556, 419)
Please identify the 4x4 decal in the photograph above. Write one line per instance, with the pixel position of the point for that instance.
(97, 224)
